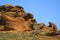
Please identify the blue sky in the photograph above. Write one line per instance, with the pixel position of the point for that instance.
(43, 10)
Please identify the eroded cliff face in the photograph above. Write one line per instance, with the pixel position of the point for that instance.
(14, 18)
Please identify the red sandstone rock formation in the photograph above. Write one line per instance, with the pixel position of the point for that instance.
(16, 19)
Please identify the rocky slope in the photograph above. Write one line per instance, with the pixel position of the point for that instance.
(14, 19)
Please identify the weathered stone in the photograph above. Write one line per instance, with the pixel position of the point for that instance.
(16, 19)
(28, 16)
(52, 26)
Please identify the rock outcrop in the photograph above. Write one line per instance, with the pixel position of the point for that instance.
(14, 18)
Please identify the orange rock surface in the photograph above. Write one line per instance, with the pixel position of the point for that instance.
(14, 18)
